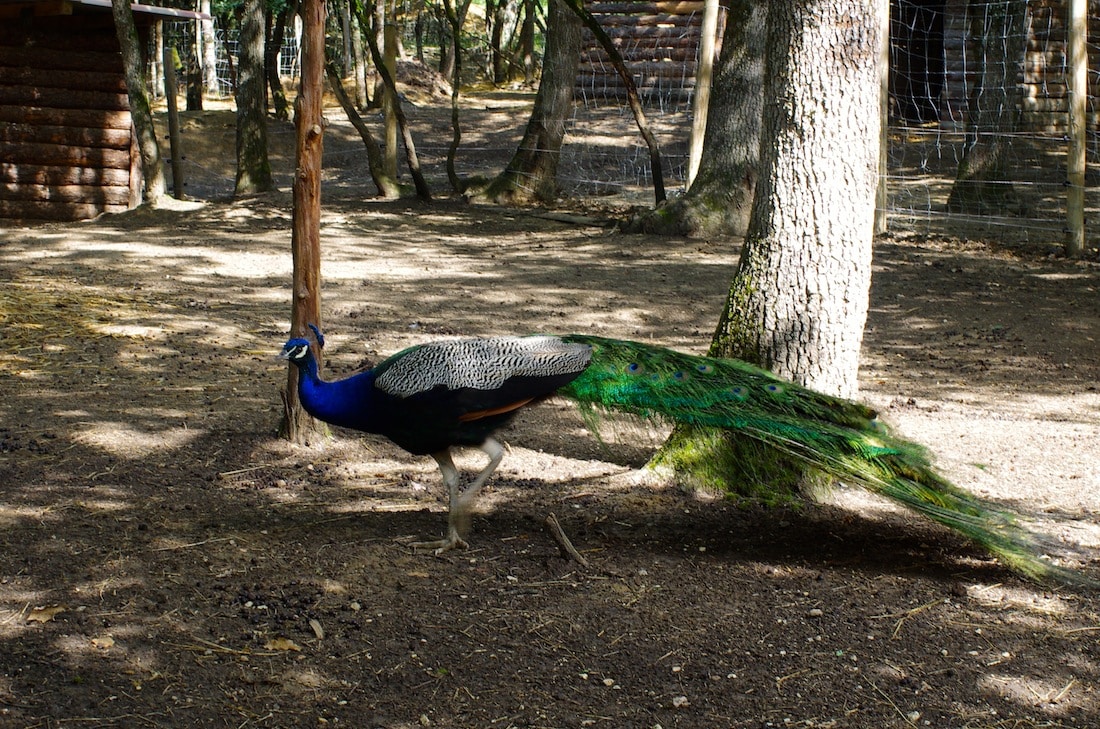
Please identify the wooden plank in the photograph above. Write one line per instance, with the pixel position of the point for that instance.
(54, 78)
(63, 98)
(672, 7)
(59, 154)
(36, 210)
(95, 118)
(650, 21)
(682, 54)
(64, 60)
(65, 135)
(62, 175)
(80, 194)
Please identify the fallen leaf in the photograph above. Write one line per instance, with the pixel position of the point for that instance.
(282, 644)
(44, 614)
(103, 643)
(317, 629)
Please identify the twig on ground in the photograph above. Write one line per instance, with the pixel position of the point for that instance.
(563, 541)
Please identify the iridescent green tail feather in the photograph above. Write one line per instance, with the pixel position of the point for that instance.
(837, 436)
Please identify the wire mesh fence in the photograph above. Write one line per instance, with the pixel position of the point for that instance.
(965, 76)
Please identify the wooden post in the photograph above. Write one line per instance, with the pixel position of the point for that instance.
(306, 222)
(174, 144)
(1077, 63)
(882, 193)
(704, 74)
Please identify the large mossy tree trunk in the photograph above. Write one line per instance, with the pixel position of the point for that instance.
(720, 196)
(532, 174)
(798, 301)
(983, 185)
(253, 166)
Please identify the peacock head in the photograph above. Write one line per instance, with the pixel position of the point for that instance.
(296, 351)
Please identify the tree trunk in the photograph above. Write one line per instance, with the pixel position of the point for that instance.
(209, 56)
(387, 186)
(140, 112)
(527, 41)
(720, 196)
(360, 56)
(297, 425)
(983, 186)
(632, 98)
(798, 301)
(532, 173)
(253, 167)
(389, 83)
(456, 19)
(272, 48)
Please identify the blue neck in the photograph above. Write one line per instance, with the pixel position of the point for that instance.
(347, 402)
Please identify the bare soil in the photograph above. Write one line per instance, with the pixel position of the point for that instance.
(166, 560)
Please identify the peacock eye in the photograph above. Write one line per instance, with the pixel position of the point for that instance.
(706, 369)
(634, 368)
(739, 392)
(774, 389)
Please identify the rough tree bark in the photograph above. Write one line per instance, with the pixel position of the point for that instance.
(798, 301)
(140, 112)
(297, 425)
(272, 47)
(720, 196)
(253, 167)
(531, 175)
(983, 185)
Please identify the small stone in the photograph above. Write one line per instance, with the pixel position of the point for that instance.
(815, 612)
(679, 702)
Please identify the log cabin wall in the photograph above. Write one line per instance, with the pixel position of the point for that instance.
(66, 148)
(935, 61)
(659, 41)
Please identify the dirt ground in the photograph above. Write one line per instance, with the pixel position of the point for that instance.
(166, 560)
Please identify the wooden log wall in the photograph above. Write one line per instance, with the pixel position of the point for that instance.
(658, 39)
(65, 130)
(1042, 76)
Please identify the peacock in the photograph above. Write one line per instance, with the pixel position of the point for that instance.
(432, 398)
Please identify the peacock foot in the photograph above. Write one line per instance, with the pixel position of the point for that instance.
(441, 546)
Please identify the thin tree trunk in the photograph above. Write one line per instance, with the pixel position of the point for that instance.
(387, 185)
(456, 18)
(253, 166)
(527, 41)
(140, 111)
(531, 175)
(360, 57)
(271, 61)
(798, 301)
(297, 425)
(632, 97)
(209, 55)
(422, 189)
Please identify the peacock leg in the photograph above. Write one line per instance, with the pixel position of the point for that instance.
(458, 515)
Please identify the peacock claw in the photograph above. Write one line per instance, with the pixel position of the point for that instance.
(439, 547)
